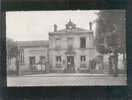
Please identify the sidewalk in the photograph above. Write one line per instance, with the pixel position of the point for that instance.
(69, 75)
(65, 80)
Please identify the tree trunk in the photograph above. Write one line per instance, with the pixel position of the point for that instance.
(110, 65)
(17, 66)
(124, 61)
(115, 67)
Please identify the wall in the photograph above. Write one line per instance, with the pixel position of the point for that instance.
(76, 37)
(90, 51)
(34, 51)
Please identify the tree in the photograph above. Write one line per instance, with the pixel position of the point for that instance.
(12, 51)
(110, 33)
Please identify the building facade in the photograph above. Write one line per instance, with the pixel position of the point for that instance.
(33, 56)
(71, 49)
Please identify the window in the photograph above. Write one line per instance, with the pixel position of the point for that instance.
(8, 60)
(82, 42)
(70, 42)
(31, 60)
(83, 58)
(42, 59)
(21, 57)
(57, 42)
(58, 58)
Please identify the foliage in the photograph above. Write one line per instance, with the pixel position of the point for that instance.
(12, 49)
(110, 33)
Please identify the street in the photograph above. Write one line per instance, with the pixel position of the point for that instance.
(65, 80)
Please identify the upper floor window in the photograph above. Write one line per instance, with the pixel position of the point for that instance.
(57, 42)
(82, 42)
(70, 42)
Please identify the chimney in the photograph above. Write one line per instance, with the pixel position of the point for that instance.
(55, 28)
(90, 26)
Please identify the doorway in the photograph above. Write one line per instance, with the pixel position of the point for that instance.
(70, 64)
(32, 63)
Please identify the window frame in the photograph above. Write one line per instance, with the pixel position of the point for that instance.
(58, 59)
(70, 42)
(57, 41)
(30, 60)
(83, 58)
(41, 59)
(82, 42)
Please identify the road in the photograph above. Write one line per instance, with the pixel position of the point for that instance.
(65, 80)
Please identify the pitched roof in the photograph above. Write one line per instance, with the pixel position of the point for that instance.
(71, 27)
(41, 43)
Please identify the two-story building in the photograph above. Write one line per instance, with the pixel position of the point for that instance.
(71, 49)
(68, 50)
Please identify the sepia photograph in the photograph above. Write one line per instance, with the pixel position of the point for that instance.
(66, 48)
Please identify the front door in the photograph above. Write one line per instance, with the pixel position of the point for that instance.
(70, 64)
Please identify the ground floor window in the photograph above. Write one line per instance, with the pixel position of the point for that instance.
(42, 59)
(32, 60)
(58, 61)
(83, 58)
(58, 58)
(9, 60)
(21, 55)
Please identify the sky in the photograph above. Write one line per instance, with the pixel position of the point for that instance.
(35, 25)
